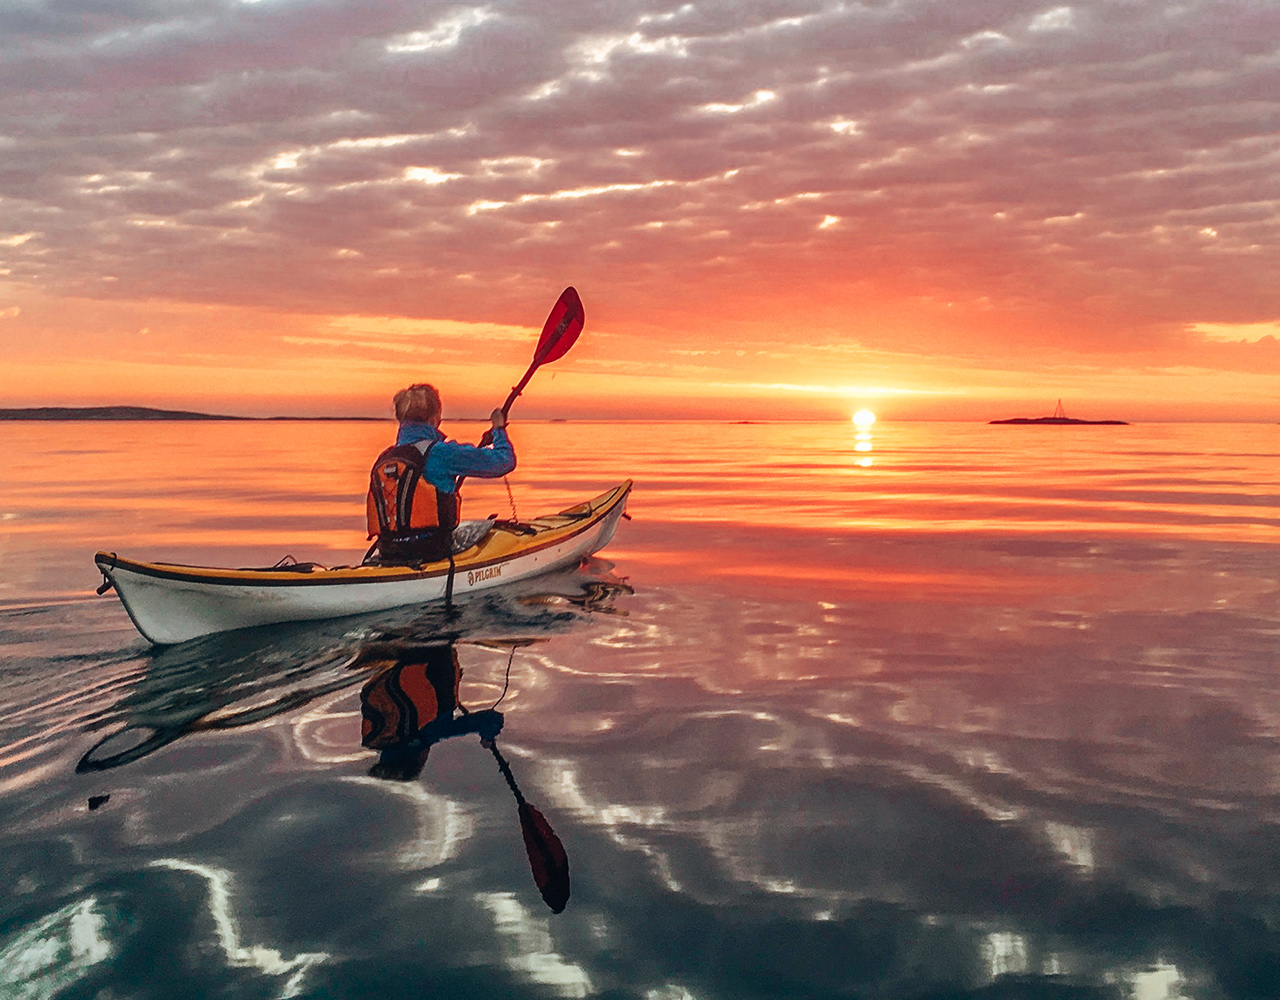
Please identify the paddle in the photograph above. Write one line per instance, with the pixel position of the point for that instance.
(559, 333)
(547, 857)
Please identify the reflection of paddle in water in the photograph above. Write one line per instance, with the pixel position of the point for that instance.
(547, 858)
(409, 706)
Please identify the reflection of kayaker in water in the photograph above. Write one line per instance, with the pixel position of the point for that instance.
(413, 504)
(411, 705)
(193, 689)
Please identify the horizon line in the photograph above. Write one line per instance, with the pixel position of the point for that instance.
(127, 413)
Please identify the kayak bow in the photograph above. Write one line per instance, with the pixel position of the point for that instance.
(172, 603)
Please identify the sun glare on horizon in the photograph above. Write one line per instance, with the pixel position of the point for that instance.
(863, 419)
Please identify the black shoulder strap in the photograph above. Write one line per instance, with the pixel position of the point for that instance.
(410, 453)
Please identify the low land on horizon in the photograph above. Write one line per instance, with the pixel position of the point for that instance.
(135, 413)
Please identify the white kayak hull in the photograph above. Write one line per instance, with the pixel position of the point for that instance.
(171, 603)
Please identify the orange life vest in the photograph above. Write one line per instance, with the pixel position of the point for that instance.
(402, 504)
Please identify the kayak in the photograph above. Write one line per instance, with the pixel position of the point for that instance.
(171, 603)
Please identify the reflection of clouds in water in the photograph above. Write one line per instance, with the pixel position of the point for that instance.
(704, 807)
(1018, 682)
(1159, 983)
(632, 635)
(531, 950)
(1005, 953)
(994, 810)
(669, 992)
(270, 961)
(56, 952)
(1073, 843)
(613, 818)
(807, 759)
(323, 735)
(443, 824)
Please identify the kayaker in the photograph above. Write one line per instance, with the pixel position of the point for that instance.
(413, 503)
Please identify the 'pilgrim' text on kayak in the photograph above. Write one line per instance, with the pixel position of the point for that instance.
(488, 573)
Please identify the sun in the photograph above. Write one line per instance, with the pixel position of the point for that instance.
(863, 419)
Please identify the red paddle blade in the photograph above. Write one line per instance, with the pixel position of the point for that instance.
(547, 858)
(561, 329)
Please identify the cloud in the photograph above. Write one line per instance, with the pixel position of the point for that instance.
(1100, 172)
(1240, 333)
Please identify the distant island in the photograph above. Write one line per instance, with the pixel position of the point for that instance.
(106, 413)
(1059, 417)
(134, 413)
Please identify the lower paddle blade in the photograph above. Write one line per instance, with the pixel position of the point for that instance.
(561, 329)
(547, 858)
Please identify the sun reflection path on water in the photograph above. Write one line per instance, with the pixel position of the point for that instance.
(863, 421)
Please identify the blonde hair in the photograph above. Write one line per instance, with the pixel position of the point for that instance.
(418, 404)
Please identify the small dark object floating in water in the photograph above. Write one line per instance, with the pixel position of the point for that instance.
(97, 800)
(1059, 417)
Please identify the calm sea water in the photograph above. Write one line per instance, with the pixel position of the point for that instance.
(951, 710)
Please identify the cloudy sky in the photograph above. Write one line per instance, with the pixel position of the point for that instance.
(952, 208)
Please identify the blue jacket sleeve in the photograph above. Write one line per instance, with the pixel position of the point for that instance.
(450, 459)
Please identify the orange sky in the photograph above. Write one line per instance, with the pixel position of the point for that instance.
(792, 208)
